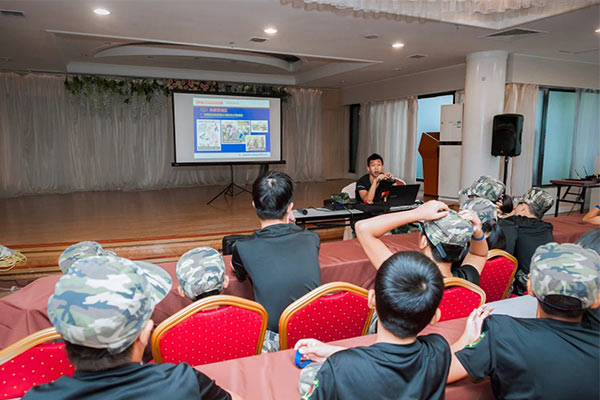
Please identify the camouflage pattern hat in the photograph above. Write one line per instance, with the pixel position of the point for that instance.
(342, 198)
(200, 270)
(566, 269)
(452, 229)
(103, 302)
(538, 199)
(486, 187)
(485, 209)
(79, 251)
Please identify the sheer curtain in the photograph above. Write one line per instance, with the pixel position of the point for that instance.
(389, 128)
(53, 142)
(521, 98)
(586, 135)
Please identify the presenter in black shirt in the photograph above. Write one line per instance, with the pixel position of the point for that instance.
(371, 187)
(553, 356)
(401, 364)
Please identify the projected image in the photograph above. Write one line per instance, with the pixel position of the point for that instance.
(260, 126)
(256, 143)
(235, 131)
(208, 135)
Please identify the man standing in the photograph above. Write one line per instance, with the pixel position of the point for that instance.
(372, 187)
(282, 259)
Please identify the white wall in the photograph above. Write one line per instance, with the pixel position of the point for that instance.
(434, 81)
(549, 72)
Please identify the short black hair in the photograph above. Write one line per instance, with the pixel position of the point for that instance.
(557, 305)
(373, 157)
(453, 252)
(272, 194)
(496, 238)
(86, 358)
(591, 240)
(507, 203)
(207, 294)
(538, 214)
(408, 291)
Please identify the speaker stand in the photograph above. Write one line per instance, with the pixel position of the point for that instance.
(506, 158)
(228, 191)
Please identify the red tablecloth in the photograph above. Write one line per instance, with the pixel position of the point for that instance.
(569, 228)
(274, 375)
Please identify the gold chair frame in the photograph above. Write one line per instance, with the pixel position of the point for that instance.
(17, 348)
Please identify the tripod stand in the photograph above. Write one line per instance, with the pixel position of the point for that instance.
(228, 191)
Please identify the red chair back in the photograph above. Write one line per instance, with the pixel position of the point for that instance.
(32, 361)
(213, 329)
(460, 298)
(498, 274)
(334, 311)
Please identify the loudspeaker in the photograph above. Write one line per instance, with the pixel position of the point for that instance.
(506, 135)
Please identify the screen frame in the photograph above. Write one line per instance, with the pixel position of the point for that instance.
(194, 164)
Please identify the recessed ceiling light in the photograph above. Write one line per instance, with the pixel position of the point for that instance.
(398, 45)
(101, 11)
(371, 36)
(598, 30)
(271, 31)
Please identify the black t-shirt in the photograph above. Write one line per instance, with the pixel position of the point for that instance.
(283, 264)
(466, 272)
(385, 371)
(364, 183)
(535, 359)
(523, 236)
(132, 381)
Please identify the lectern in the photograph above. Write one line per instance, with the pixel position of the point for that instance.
(429, 148)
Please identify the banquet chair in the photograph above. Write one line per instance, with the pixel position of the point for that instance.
(460, 298)
(34, 360)
(213, 329)
(334, 311)
(498, 274)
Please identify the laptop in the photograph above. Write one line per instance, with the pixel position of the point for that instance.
(403, 195)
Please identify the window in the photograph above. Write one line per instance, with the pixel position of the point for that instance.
(428, 119)
(566, 134)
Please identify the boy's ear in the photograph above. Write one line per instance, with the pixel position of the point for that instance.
(253, 204)
(225, 282)
(422, 241)
(371, 299)
(290, 207)
(436, 317)
(529, 288)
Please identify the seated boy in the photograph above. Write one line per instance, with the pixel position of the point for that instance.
(444, 237)
(201, 273)
(549, 357)
(282, 259)
(79, 251)
(101, 307)
(371, 187)
(525, 231)
(400, 365)
(487, 213)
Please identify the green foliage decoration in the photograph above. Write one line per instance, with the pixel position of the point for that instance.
(89, 85)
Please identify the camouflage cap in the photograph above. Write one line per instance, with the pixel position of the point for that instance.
(566, 269)
(452, 229)
(103, 302)
(539, 200)
(484, 208)
(486, 187)
(79, 251)
(342, 198)
(200, 270)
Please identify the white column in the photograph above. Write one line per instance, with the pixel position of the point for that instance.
(484, 97)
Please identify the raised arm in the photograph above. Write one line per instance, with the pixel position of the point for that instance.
(478, 249)
(370, 230)
(593, 216)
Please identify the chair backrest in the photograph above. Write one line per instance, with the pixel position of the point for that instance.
(32, 361)
(350, 190)
(460, 298)
(334, 311)
(212, 329)
(498, 274)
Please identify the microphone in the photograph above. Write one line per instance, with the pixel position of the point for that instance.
(302, 211)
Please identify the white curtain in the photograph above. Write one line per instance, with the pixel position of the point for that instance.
(389, 128)
(53, 142)
(521, 98)
(586, 133)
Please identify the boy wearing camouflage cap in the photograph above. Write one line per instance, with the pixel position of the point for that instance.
(549, 357)
(444, 238)
(79, 251)
(201, 273)
(101, 307)
(525, 231)
(488, 215)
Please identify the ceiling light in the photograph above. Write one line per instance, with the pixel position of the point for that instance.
(371, 36)
(271, 31)
(101, 11)
(398, 45)
(598, 30)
